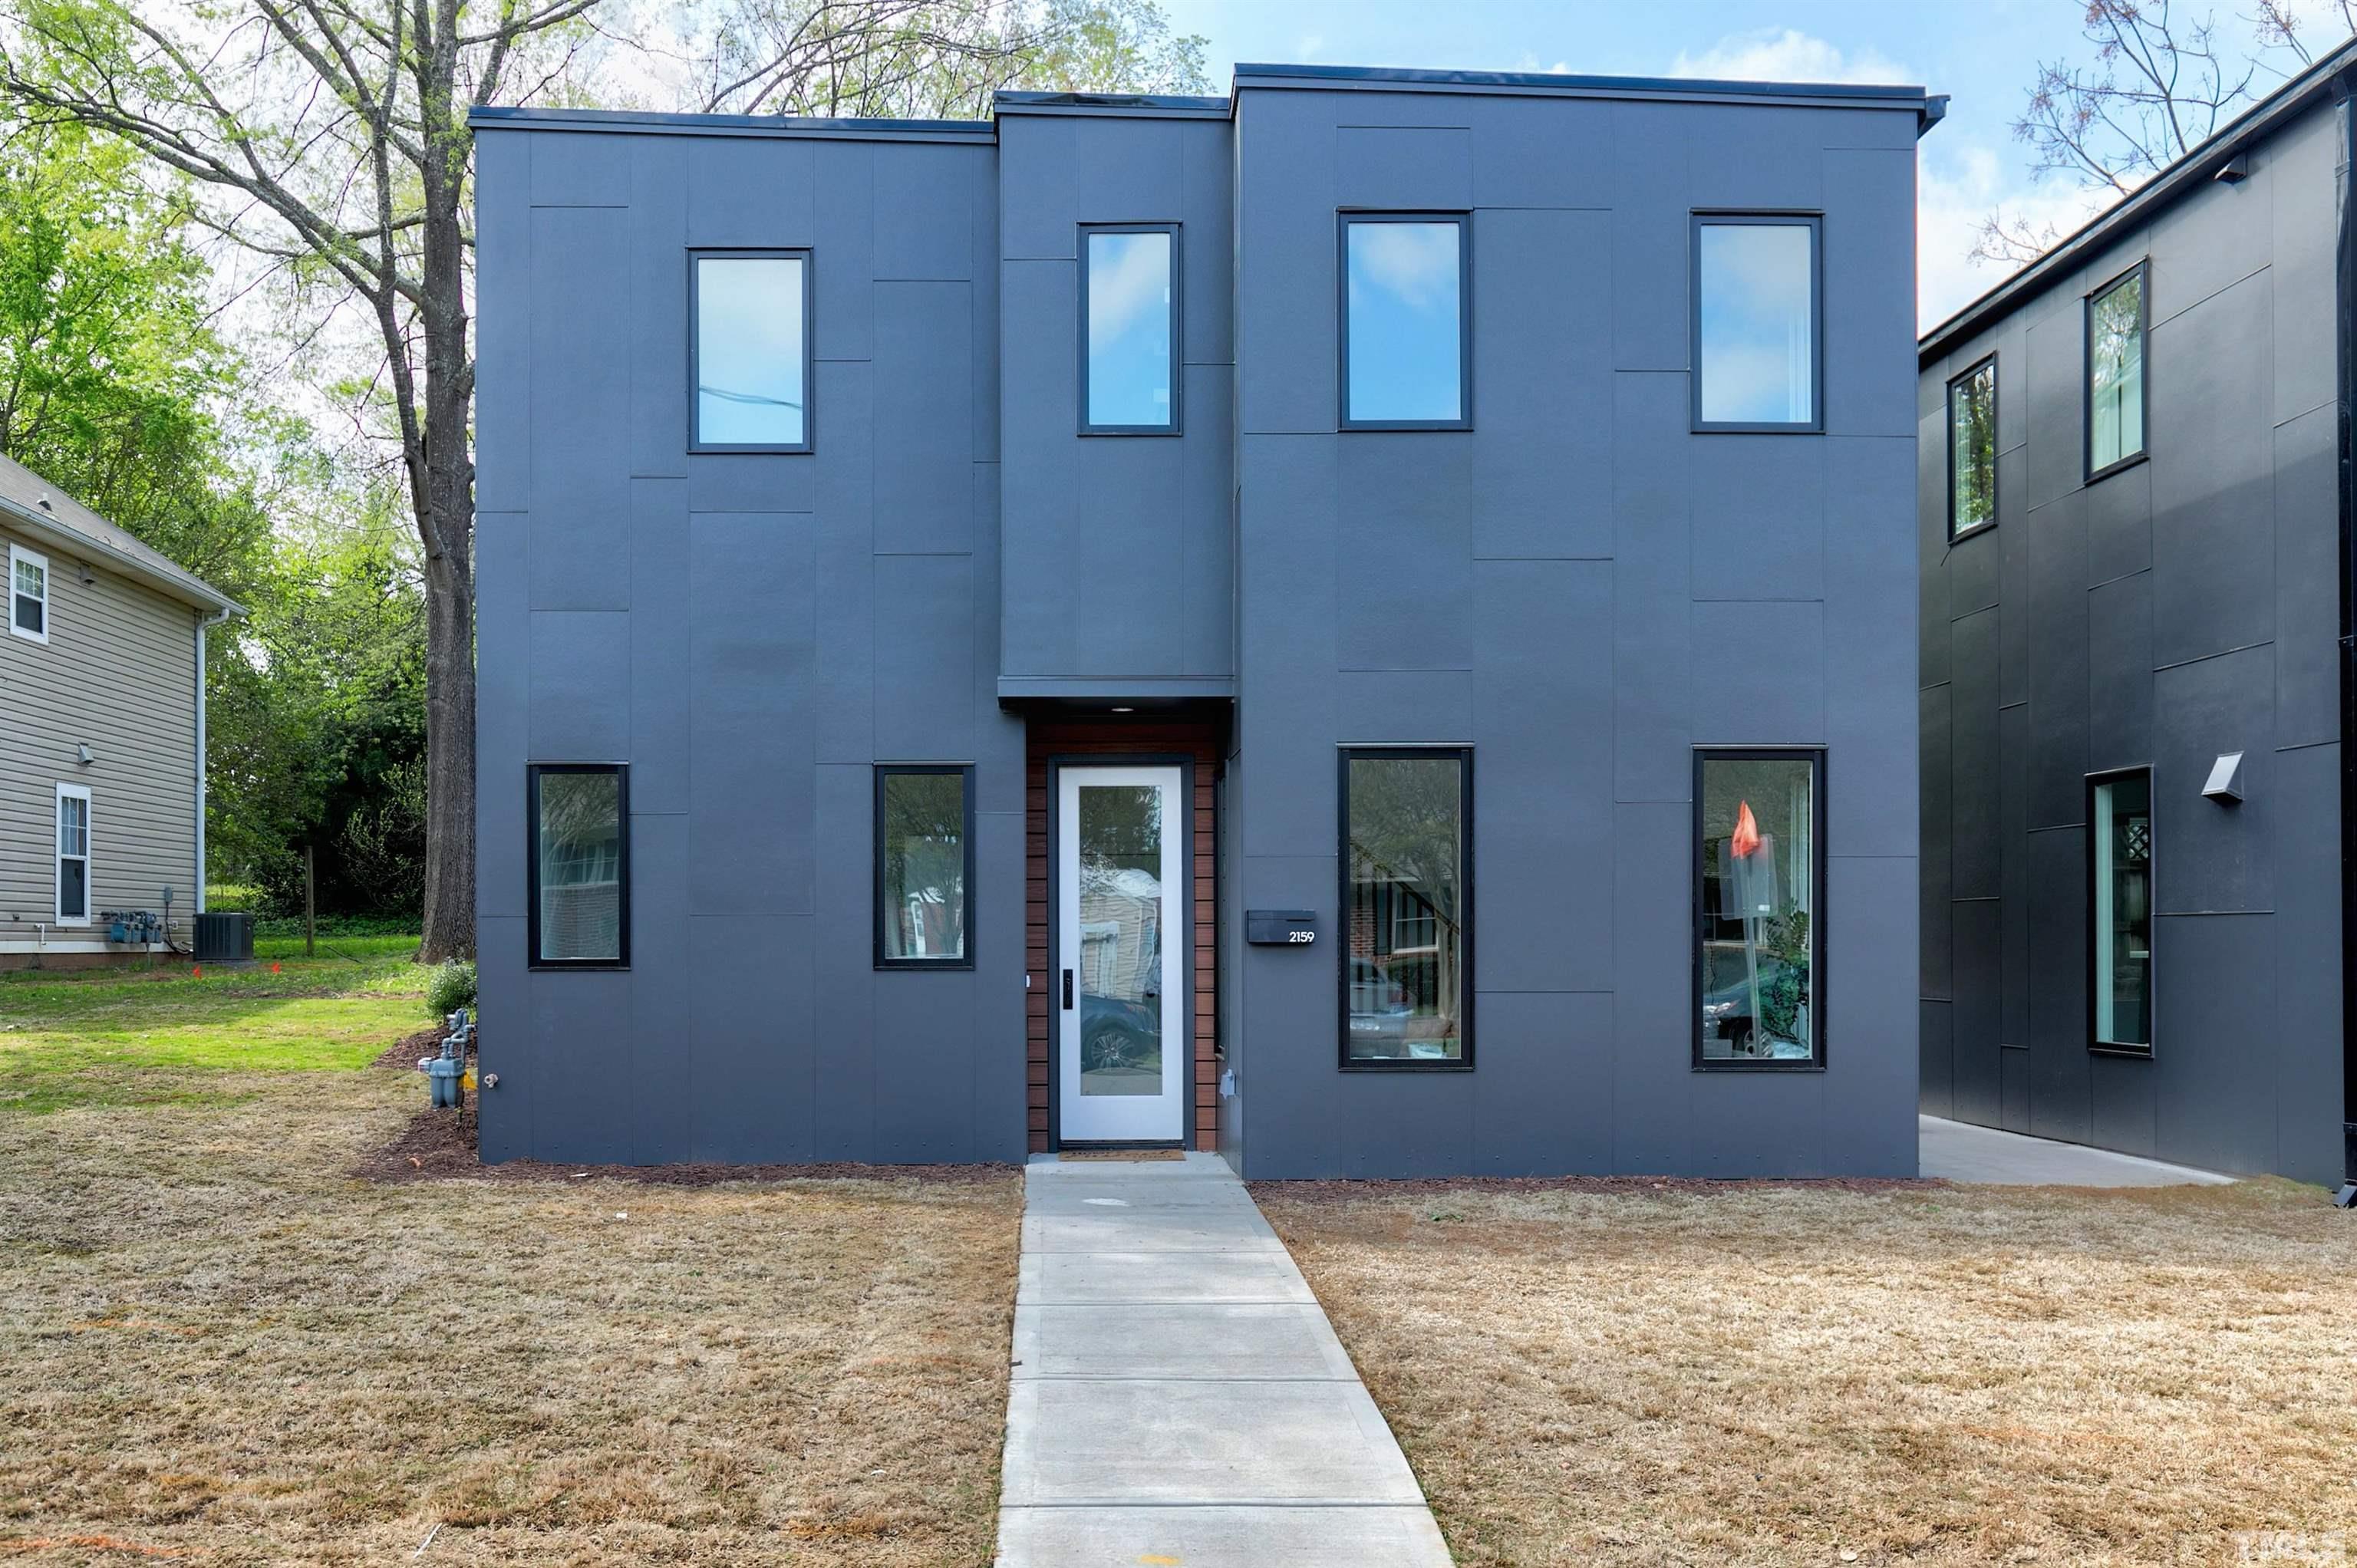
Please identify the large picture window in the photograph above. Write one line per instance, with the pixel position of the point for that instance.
(2115, 345)
(1758, 909)
(580, 864)
(1972, 449)
(1756, 323)
(1406, 936)
(1406, 307)
(2120, 902)
(1129, 318)
(924, 867)
(749, 351)
(73, 854)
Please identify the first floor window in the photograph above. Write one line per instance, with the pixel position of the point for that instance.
(1758, 817)
(28, 594)
(1972, 449)
(73, 854)
(2122, 983)
(1407, 937)
(580, 864)
(924, 866)
(2116, 344)
(750, 351)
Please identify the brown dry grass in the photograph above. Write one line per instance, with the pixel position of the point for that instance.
(216, 1344)
(1967, 1375)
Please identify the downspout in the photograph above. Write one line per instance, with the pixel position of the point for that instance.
(2344, 322)
(203, 625)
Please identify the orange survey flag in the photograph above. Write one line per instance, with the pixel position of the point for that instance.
(1746, 831)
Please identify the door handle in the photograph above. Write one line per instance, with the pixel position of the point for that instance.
(1067, 990)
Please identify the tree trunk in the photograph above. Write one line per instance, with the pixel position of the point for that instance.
(449, 762)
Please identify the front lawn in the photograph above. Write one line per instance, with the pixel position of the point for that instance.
(1630, 1375)
(221, 1344)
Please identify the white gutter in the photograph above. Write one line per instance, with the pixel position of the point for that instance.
(172, 583)
(202, 625)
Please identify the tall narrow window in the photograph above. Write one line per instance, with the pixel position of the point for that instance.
(1972, 449)
(1405, 945)
(580, 866)
(74, 855)
(924, 867)
(28, 594)
(2116, 341)
(1129, 314)
(1756, 365)
(1405, 365)
(1759, 915)
(2122, 910)
(749, 351)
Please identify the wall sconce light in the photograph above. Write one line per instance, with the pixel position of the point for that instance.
(2225, 785)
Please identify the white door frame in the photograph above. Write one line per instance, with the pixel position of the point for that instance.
(1124, 1118)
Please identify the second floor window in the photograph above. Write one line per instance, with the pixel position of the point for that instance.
(749, 351)
(1756, 323)
(1129, 313)
(29, 595)
(1404, 359)
(1972, 449)
(2115, 343)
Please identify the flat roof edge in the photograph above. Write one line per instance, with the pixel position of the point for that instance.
(2179, 180)
(1148, 105)
(1861, 95)
(642, 122)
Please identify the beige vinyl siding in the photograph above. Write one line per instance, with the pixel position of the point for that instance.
(118, 674)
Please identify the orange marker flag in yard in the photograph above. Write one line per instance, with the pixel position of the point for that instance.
(1746, 831)
(196, 971)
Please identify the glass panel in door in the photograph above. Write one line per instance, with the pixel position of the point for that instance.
(1122, 956)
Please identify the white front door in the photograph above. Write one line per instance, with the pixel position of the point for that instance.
(1121, 956)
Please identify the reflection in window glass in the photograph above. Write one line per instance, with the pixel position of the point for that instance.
(749, 351)
(1129, 330)
(922, 878)
(1403, 323)
(1404, 918)
(1972, 448)
(1757, 358)
(30, 579)
(1121, 973)
(579, 834)
(2122, 980)
(2116, 373)
(1757, 925)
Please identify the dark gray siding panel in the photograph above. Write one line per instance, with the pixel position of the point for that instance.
(2170, 613)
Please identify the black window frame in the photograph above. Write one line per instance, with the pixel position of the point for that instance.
(884, 770)
(1762, 217)
(1465, 999)
(2096, 1046)
(1344, 218)
(2142, 273)
(1178, 332)
(1819, 1012)
(1986, 362)
(533, 772)
(697, 255)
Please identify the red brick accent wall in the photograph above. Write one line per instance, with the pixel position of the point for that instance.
(1205, 742)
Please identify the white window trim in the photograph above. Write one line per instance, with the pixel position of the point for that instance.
(19, 552)
(56, 853)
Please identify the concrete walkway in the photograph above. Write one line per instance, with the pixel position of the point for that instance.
(1178, 1395)
(1962, 1152)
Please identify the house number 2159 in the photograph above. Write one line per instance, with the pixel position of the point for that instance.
(1299, 937)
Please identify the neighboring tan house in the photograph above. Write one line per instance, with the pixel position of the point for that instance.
(2137, 686)
(102, 733)
(1364, 623)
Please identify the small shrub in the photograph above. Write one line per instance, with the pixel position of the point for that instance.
(451, 987)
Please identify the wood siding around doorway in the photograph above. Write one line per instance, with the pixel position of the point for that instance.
(1204, 743)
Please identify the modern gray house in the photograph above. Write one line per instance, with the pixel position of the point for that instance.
(2136, 617)
(1364, 624)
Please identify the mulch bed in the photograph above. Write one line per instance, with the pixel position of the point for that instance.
(406, 1052)
(1603, 1187)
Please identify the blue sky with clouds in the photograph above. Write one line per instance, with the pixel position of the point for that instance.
(1984, 55)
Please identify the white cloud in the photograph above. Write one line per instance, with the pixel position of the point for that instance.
(1786, 54)
(1957, 188)
(1137, 280)
(1417, 262)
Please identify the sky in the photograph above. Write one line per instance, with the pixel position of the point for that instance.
(1983, 54)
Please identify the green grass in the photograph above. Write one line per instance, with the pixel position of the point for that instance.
(168, 1036)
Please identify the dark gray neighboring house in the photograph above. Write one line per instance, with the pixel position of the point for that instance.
(2136, 682)
(1363, 624)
